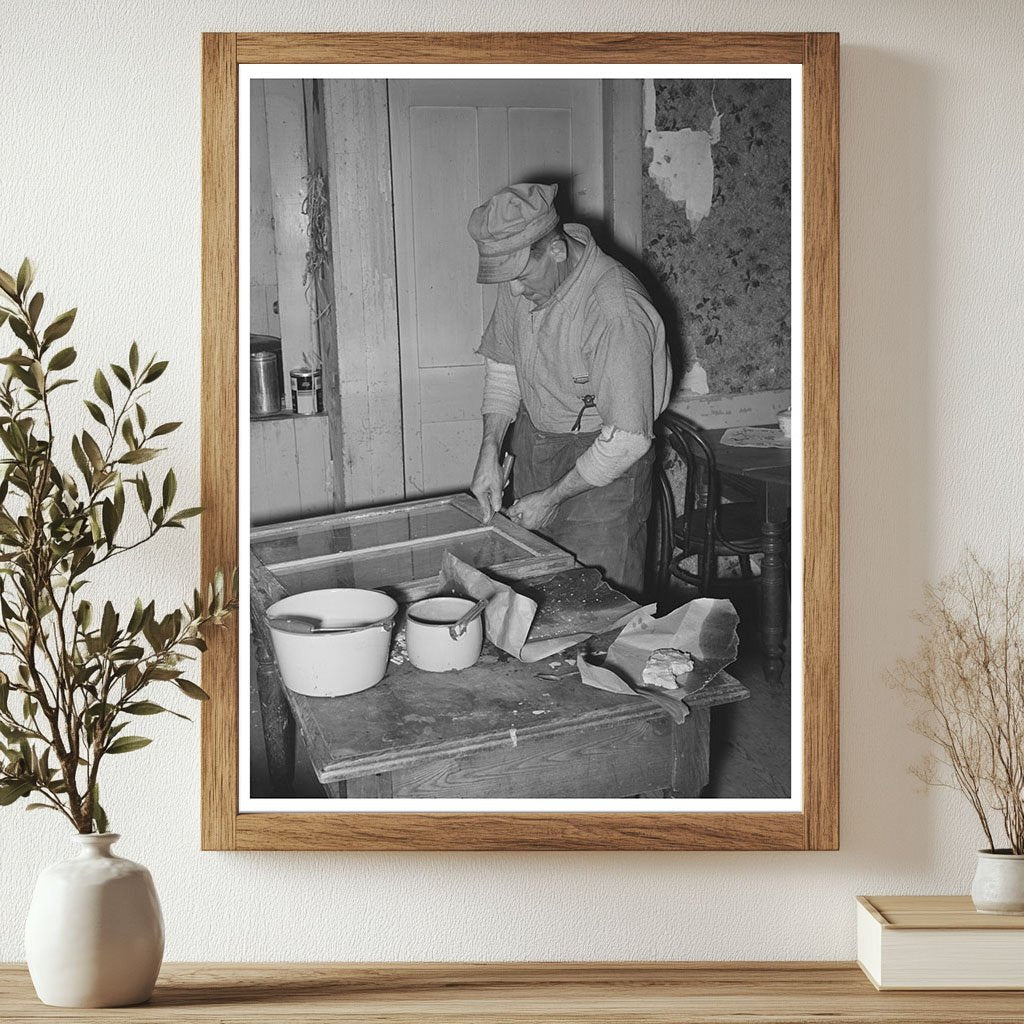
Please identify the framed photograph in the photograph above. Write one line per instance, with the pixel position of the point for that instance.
(505, 338)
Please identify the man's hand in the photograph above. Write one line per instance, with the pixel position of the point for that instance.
(534, 511)
(487, 483)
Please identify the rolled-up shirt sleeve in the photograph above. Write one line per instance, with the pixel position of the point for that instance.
(611, 454)
(501, 389)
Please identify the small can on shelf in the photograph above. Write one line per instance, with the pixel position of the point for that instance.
(307, 391)
(264, 387)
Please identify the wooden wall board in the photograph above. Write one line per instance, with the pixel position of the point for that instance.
(538, 139)
(449, 454)
(492, 163)
(451, 393)
(290, 468)
(289, 166)
(621, 107)
(325, 329)
(442, 196)
(262, 262)
(363, 376)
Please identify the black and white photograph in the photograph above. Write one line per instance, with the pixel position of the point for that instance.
(520, 443)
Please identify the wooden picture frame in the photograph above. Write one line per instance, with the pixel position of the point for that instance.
(816, 825)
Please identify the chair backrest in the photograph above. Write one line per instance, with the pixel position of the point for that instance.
(701, 485)
(686, 441)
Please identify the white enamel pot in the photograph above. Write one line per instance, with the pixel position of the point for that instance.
(333, 664)
(428, 637)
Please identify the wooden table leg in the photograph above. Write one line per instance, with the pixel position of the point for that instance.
(773, 601)
(691, 751)
(278, 730)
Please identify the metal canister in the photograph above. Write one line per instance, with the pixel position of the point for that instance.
(264, 386)
(307, 391)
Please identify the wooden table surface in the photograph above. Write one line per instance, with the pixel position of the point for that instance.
(412, 716)
(661, 993)
(501, 728)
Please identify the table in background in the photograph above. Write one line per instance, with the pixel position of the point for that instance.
(526, 993)
(769, 470)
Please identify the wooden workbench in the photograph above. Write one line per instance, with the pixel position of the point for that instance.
(501, 729)
(794, 993)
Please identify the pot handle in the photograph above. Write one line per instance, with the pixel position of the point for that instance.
(306, 627)
(457, 629)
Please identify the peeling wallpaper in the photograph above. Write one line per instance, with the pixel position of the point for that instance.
(716, 225)
(103, 189)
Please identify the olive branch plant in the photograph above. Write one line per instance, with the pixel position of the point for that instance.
(966, 680)
(80, 673)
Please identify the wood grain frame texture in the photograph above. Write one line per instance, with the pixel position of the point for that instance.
(817, 827)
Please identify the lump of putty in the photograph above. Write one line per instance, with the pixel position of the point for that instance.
(664, 666)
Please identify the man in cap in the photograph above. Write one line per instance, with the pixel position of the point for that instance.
(575, 355)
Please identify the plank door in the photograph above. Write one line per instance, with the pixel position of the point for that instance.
(454, 143)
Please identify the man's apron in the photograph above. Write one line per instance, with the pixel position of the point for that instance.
(604, 527)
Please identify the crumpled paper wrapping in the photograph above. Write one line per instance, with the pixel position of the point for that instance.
(705, 627)
(509, 615)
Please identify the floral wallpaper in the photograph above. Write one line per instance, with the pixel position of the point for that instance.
(725, 282)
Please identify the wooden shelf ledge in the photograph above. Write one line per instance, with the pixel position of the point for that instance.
(659, 993)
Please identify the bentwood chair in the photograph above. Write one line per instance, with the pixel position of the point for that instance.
(706, 526)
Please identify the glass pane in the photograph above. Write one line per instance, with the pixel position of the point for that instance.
(403, 565)
(388, 528)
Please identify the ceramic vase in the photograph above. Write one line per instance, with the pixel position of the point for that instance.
(95, 934)
(999, 882)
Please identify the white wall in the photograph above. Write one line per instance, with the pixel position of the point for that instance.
(100, 182)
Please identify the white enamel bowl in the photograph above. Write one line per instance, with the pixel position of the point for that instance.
(334, 664)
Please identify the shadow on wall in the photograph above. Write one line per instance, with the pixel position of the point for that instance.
(887, 288)
(639, 266)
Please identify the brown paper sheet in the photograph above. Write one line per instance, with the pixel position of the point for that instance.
(509, 615)
(705, 627)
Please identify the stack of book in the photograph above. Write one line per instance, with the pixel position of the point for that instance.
(938, 942)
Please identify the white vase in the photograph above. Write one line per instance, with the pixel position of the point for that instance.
(999, 883)
(95, 934)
